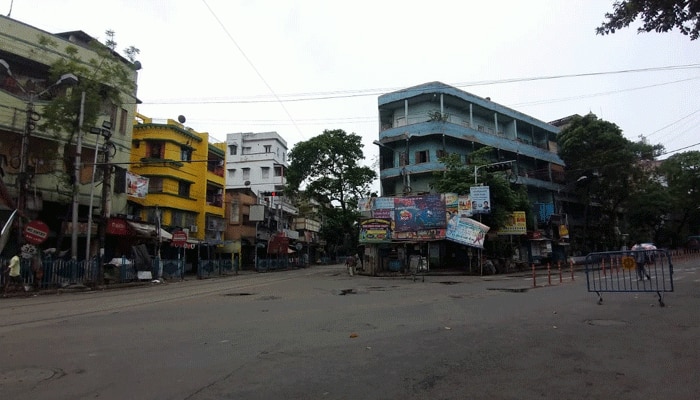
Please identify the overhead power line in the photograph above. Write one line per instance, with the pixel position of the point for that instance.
(339, 94)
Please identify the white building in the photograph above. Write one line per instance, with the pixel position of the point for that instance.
(256, 161)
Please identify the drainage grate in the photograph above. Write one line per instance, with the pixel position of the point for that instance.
(239, 294)
(343, 292)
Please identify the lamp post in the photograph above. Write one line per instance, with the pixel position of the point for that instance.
(29, 126)
(476, 181)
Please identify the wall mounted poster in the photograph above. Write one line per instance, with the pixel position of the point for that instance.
(375, 230)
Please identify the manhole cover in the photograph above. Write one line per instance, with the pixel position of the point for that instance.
(239, 294)
(27, 375)
(606, 322)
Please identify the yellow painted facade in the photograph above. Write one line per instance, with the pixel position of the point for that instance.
(186, 178)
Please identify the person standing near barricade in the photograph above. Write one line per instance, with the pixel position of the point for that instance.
(640, 256)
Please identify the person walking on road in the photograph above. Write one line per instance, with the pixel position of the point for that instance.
(350, 263)
(640, 256)
(13, 272)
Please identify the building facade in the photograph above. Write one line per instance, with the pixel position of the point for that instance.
(185, 174)
(422, 123)
(259, 213)
(48, 163)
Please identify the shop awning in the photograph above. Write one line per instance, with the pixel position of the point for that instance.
(148, 231)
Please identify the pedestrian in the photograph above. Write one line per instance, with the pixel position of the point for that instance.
(13, 272)
(640, 257)
(350, 263)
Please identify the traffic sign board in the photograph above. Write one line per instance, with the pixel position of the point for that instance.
(179, 238)
(36, 232)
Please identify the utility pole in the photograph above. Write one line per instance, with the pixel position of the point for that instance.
(106, 203)
(76, 184)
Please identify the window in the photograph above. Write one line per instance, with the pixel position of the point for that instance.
(155, 149)
(155, 185)
(232, 173)
(183, 189)
(122, 121)
(422, 156)
(265, 171)
(232, 150)
(278, 171)
(185, 153)
(441, 153)
(246, 174)
(268, 148)
(403, 159)
(234, 212)
(246, 150)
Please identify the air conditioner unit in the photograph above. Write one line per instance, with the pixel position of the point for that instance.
(194, 228)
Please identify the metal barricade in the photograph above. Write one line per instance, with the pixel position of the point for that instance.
(620, 271)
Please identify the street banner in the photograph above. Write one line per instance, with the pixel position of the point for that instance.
(481, 199)
(136, 185)
(466, 231)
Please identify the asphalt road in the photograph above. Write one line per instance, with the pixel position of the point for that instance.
(319, 334)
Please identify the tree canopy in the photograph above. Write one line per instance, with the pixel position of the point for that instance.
(327, 168)
(505, 196)
(104, 80)
(682, 174)
(605, 169)
(657, 15)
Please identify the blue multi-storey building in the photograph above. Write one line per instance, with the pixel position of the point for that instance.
(421, 123)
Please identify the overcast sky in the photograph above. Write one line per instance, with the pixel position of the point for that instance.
(299, 67)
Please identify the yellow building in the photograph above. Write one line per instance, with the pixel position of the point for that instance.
(185, 176)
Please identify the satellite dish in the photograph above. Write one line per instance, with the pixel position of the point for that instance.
(137, 65)
(181, 119)
(247, 183)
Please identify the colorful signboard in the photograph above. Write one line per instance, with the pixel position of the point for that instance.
(466, 231)
(516, 224)
(416, 213)
(375, 230)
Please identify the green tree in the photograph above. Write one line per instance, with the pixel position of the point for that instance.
(647, 210)
(657, 15)
(105, 81)
(682, 173)
(505, 196)
(327, 168)
(606, 169)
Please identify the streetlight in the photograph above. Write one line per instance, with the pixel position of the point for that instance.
(502, 164)
(30, 125)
